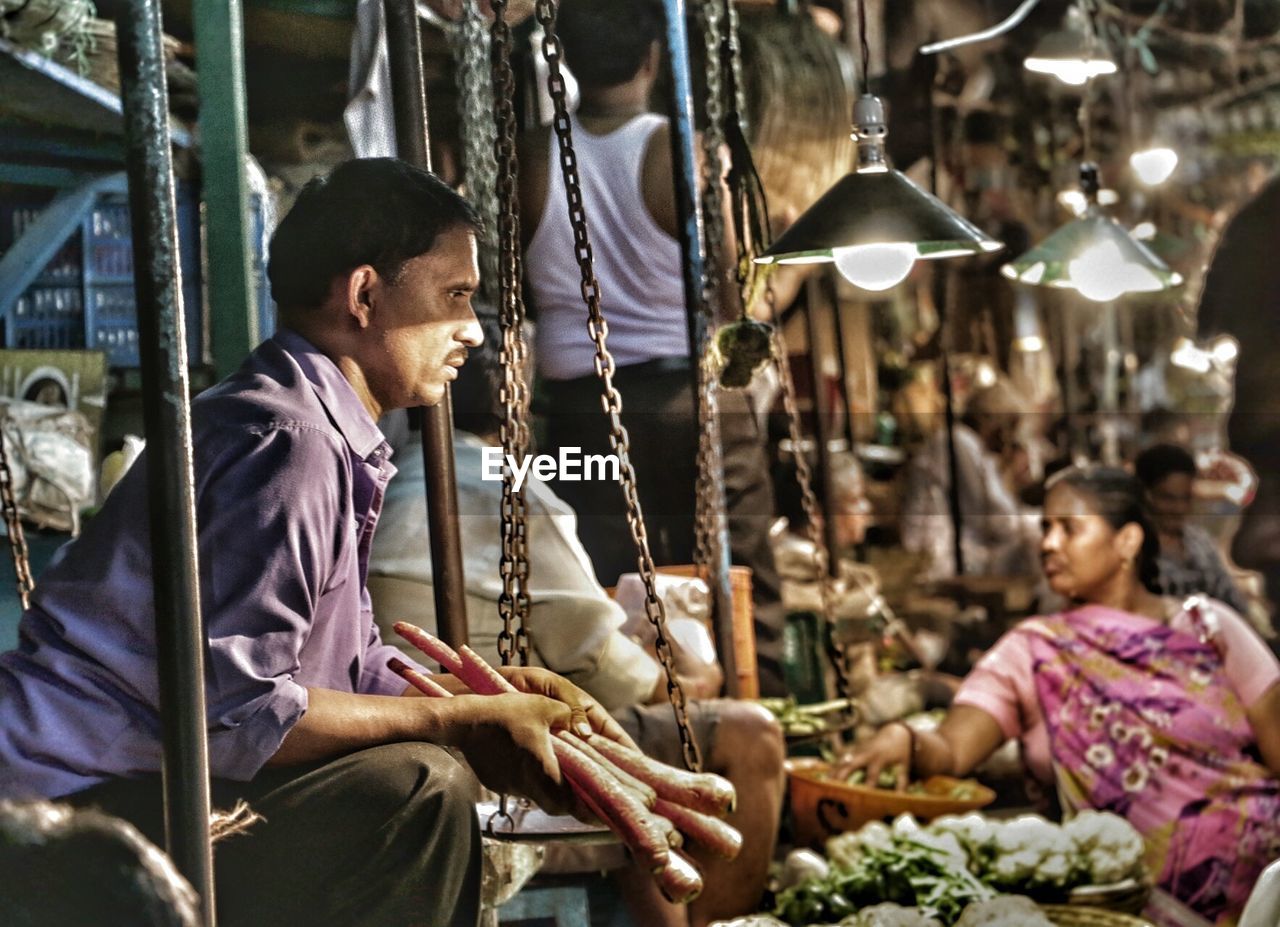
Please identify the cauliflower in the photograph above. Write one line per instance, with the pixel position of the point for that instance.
(844, 849)
(801, 865)
(1005, 911)
(889, 914)
(950, 851)
(1031, 852)
(975, 833)
(1109, 847)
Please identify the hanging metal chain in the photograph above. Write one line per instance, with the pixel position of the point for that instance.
(513, 603)
(708, 491)
(611, 400)
(13, 524)
(804, 476)
(469, 39)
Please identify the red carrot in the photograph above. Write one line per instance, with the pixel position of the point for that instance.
(431, 645)
(420, 681)
(643, 789)
(614, 805)
(705, 792)
(479, 675)
(712, 833)
(680, 881)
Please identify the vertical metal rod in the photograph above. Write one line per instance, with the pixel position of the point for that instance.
(409, 104)
(953, 464)
(842, 363)
(941, 296)
(693, 265)
(167, 415)
(1110, 405)
(233, 303)
(821, 421)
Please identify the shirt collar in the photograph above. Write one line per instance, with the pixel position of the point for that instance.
(335, 393)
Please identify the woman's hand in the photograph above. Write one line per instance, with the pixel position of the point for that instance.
(889, 748)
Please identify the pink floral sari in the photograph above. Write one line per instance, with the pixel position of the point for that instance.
(1143, 723)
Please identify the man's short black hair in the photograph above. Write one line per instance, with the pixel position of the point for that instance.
(1163, 460)
(376, 211)
(606, 41)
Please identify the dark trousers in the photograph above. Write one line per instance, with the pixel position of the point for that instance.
(385, 837)
(660, 415)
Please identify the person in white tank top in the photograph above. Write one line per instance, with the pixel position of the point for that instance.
(625, 164)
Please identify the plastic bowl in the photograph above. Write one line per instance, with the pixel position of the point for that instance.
(822, 808)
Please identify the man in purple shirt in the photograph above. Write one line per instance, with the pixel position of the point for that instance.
(368, 819)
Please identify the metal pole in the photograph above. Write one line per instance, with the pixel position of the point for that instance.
(689, 210)
(233, 304)
(941, 295)
(167, 415)
(821, 423)
(1110, 405)
(409, 104)
(953, 464)
(842, 363)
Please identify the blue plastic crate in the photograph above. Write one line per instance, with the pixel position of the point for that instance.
(84, 296)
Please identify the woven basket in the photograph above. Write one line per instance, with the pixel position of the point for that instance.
(1071, 915)
(1129, 896)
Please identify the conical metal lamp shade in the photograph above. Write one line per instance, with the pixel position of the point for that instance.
(1072, 53)
(877, 207)
(1096, 256)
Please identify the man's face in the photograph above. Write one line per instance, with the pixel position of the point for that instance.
(422, 325)
(1170, 502)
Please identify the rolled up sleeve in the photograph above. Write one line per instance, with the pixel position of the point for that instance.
(376, 678)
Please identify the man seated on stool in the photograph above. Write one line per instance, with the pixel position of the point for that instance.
(574, 628)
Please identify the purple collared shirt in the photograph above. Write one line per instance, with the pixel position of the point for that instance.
(290, 473)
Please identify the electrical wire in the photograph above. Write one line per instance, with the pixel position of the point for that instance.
(999, 29)
(866, 48)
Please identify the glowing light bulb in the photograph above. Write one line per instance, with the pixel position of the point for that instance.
(1072, 71)
(1189, 357)
(1225, 350)
(1153, 165)
(875, 267)
(1144, 231)
(1102, 273)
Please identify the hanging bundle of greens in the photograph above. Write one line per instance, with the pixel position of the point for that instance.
(743, 346)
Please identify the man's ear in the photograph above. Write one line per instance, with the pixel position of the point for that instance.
(653, 61)
(359, 294)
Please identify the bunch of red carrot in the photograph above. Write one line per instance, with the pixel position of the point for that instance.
(648, 804)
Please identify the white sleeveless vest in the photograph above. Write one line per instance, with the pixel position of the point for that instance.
(637, 263)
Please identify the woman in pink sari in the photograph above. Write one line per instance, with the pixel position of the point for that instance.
(1166, 712)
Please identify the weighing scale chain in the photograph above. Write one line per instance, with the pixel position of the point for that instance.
(13, 524)
(513, 603)
(598, 328)
(476, 107)
(706, 522)
(839, 659)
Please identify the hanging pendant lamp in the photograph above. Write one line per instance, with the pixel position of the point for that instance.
(875, 222)
(1073, 53)
(1093, 255)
